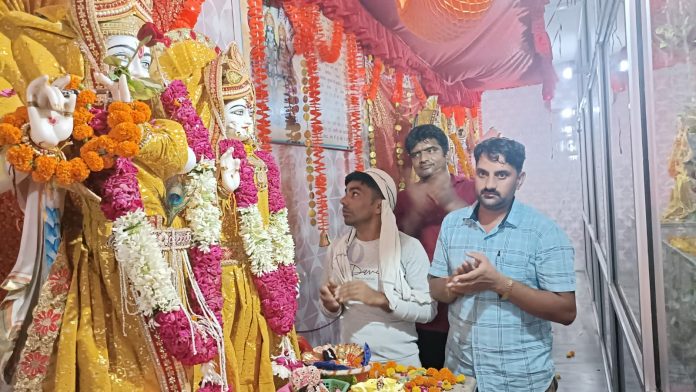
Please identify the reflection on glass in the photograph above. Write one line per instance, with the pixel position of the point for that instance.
(674, 100)
(599, 165)
(621, 158)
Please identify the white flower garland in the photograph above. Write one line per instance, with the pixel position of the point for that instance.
(203, 215)
(140, 258)
(283, 244)
(266, 247)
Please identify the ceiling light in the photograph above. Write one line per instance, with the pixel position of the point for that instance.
(567, 73)
(567, 129)
(623, 66)
(567, 113)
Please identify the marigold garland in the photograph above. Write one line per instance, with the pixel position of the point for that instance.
(258, 61)
(417, 379)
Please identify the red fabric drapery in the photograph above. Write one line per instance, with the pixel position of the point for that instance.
(510, 48)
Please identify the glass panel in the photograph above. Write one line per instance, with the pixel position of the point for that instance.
(630, 381)
(599, 161)
(674, 145)
(621, 158)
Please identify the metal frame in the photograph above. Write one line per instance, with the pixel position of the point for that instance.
(647, 345)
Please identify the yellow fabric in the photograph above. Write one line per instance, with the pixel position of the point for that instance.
(37, 47)
(185, 61)
(93, 354)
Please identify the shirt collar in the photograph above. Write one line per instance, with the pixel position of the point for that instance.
(512, 217)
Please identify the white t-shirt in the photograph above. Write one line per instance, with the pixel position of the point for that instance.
(390, 338)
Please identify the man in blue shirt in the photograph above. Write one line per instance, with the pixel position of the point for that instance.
(507, 272)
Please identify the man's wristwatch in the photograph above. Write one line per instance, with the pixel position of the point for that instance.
(506, 291)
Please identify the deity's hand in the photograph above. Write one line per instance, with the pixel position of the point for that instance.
(119, 90)
(229, 171)
(50, 111)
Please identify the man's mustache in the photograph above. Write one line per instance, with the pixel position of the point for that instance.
(493, 191)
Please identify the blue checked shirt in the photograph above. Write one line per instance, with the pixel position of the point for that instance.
(505, 348)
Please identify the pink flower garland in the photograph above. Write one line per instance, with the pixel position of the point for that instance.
(178, 106)
(278, 289)
(121, 195)
(207, 269)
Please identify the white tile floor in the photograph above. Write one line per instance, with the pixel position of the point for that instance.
(584, 372)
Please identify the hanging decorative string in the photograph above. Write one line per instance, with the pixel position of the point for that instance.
(305, 20)
(329, 53)
(420, 94)
(354, 74)
(258, 62)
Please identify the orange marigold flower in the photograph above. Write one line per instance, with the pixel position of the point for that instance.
(106, 145)
(64, 173)
(390, 364)
(22, 113)
(141, 112)
(118, 117)
(125, 131)
(13, 120)
(78, 169)
(74, 83)
(9, 134)
(94, 162)
(120, 106)
(85, 98)
(82, 116)
(434, 389)
(432, 372)
(91, 145)
(127, 149)
(82, 132)
(109, 161)
(446, 375)
(44, 167)
(21, 157)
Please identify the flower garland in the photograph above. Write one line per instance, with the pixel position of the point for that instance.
(203, 214)
(304, 20)
(25, 156)
(271, 250)
(354, 74)
(329, 53)
(258, 61)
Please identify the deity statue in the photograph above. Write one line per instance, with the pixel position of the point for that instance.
(89, 330)
(259, 279)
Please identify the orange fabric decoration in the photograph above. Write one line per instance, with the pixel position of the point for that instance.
(376, 76)
(258, 61)
(329, 53)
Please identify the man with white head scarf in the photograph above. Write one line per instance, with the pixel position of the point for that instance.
(377, 276)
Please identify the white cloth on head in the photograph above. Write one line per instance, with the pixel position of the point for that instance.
(392, 275)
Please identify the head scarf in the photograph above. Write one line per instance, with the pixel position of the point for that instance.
(391, 273)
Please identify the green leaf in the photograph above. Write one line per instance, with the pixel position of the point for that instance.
(143, 95)
(149, 83)
(113, 60)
